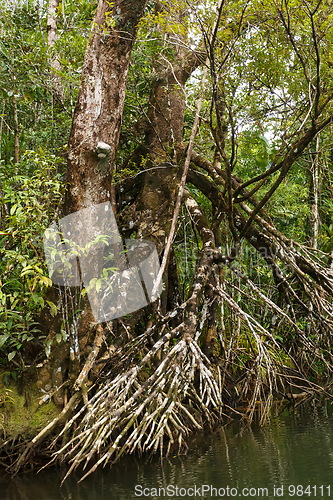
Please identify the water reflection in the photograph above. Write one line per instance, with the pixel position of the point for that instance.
(294, 449)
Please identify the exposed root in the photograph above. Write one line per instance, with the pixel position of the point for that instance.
(150, 398)
(128, 414)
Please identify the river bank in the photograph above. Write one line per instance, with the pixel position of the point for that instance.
(24, 412)
(293, 450)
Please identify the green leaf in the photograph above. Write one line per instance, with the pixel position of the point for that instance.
(38, 299)
(53, 308)
(98, 285)
(3, 339)
(11, 355)
(13, 209)
(27, 270)
(46, 281)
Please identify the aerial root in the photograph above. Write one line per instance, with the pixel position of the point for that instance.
(129, 414)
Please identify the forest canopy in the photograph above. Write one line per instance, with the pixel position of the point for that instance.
(207, 127)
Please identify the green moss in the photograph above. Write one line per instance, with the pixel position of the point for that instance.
(21, 414)
(43, 415)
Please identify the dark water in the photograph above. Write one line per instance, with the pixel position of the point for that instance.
(294, 451)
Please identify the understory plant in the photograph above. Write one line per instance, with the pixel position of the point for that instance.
(31, 192)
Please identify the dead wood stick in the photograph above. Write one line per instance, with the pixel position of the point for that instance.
(91, 359)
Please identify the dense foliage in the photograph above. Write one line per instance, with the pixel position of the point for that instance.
(31, 192)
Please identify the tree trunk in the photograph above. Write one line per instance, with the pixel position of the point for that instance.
(151, 213)
(51, 29)
(92, 148)
(51, 26)
(16, 131)
(97, 118)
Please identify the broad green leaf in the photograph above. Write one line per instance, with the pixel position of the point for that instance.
(11, 355)
(46, 281)
(53, 308)
(3, 339)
